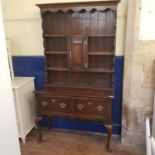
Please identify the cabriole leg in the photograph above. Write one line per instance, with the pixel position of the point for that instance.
(109, 130)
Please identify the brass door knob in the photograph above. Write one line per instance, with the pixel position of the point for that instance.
(90, 103)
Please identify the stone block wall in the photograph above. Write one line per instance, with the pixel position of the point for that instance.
(139, 81)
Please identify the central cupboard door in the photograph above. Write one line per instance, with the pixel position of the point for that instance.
(78, 52)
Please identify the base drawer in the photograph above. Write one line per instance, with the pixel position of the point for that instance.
(94, 107)
(46, 103)
(75, 107)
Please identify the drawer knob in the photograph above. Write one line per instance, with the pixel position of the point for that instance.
(80, 106)
(53, 100)
(100, 108)
(90, 103)
(44, 103)
(62, 105)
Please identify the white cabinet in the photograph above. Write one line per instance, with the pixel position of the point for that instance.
(23, 90)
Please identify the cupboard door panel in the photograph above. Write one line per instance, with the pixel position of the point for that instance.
(76, 53)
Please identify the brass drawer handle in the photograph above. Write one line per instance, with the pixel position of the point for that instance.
(85, 65)
(90, 103)
(100, 108)
(80, 106)
(44, 103)
(53, 100)
(62, 105)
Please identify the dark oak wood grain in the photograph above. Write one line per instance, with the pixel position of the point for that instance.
(79, 51)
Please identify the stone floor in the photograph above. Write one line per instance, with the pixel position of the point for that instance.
(56, 142)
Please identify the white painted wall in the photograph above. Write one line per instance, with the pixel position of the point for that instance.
(9, 144)
(147, 22)
(23, 25)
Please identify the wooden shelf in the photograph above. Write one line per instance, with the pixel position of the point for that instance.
(56, 52)
(88, 70)
(102, 35)
(65, 86)
(101, 53)
(90, 35)
(56, 69)
(97, 70)
(54, 35)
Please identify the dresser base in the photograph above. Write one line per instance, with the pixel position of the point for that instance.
(40, 136)
(77, 104)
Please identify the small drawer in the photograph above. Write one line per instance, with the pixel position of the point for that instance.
(54, 104)
(90, 106)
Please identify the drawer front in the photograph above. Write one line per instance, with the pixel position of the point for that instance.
(93, 107)
(58, 104)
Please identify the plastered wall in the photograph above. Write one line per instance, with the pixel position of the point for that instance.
(23, 25)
